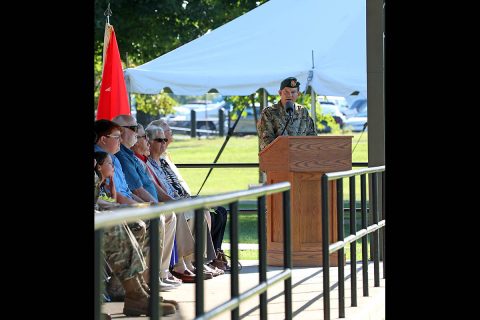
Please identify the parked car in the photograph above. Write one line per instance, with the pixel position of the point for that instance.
(246, 124)
(206, 117)
(330, 108)
(356, 107)
(341, 102)
(358, 122)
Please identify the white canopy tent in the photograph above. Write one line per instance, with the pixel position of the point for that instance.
(264, 46)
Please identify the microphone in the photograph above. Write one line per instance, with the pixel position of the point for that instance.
(289, 110)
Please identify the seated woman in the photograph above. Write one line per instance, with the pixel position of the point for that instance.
(169, 180)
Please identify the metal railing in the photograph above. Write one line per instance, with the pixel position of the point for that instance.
(354, 235)
(241, 165)
(108, 219)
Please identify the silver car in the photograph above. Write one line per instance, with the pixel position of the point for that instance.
(357, 123)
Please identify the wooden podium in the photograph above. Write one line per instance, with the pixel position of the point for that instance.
(301, 161)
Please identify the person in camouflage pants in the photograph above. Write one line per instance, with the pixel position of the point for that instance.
(273, 119)
(125, 258)
(122, 252)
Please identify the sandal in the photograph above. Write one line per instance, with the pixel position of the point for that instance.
(223, 257)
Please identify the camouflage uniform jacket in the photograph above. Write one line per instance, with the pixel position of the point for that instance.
(273, 120)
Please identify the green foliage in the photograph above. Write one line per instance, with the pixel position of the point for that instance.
(238, 102)
(98, 67)
(248, 224)
(325, 120)
(238, 150)
(147, 29)
(159, 104)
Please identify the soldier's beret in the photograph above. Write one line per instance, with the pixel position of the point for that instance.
(290, 82)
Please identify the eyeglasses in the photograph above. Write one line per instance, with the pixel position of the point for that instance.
(113, 137)
(133, 128)
(161, 140)
(144, 136)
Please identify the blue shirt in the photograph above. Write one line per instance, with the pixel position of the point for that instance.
(118, 176)
(135, 174)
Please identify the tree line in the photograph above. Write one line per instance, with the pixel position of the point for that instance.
(147, 29)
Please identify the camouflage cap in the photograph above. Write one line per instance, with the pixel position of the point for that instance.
(290, 82)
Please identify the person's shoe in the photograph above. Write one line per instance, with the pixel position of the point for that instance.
(143, 283)
(206, 275)
(214, 271)
(165, 286)
(175, 303)
(187, 276)
(218, 264)
(171, 281)
(223, 257)
(137, 300)
(162, 286)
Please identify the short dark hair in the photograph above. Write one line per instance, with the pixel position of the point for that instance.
(104, 127)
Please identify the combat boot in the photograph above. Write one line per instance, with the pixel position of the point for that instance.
(143, 283)
(148, 291)
(137, 300)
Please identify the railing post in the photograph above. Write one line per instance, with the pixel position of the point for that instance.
(234, 288)
(325, 250)
(287, 249)
(341, 252)
(193, 123)
(199, 250)
(373, 206)
(353, 245)
(383, 218)
(363, 199)
(154, 267)
(262, 253)
(221, 122)
(98, 272)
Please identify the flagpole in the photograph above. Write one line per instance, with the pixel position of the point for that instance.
(113, 99)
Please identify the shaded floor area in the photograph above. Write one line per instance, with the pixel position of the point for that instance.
(307, 296)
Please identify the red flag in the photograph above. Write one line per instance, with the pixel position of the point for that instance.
(113, 99)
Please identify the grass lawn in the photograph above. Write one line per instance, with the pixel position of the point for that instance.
(238, 150)
(253, 254)
(243, 150)
(248, 233)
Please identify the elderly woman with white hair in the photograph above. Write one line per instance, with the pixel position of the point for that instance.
(185, 242)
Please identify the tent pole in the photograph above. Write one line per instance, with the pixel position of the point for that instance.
(129, 94)
(262, 177)
(314, 106)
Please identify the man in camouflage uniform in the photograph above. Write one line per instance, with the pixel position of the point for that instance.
(273, 119)
(125, 258)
